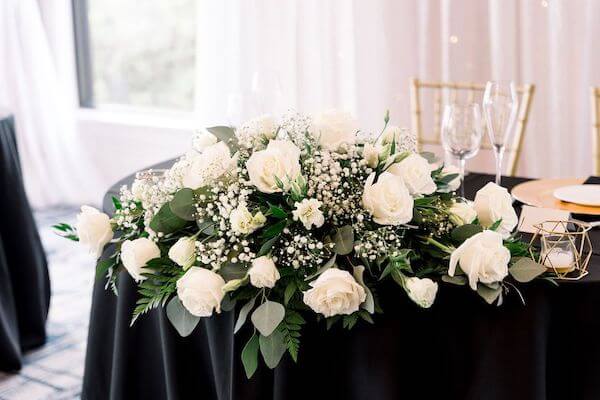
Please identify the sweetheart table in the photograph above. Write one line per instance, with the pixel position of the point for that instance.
(461, 348)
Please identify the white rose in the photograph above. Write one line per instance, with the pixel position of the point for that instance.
(203, 139)
(333, 129)
(415, 171)
(492, 203)
(454, 184)
(482, 257)
(335, 292)
(263, 273)
(421, 291)
(307, 211)
(462, 213)
(388, 200)
(94, 230)
(135, 254)
(280, 160)
(252, 132)
(242, 221)
(205, 168)
(183, 252)
(201, 291)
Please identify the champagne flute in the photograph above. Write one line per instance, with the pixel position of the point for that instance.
(461, 133)
(500, 105)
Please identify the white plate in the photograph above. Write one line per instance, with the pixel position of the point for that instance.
(587, 195)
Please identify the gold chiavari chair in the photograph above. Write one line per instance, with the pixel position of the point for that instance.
(449, 92)
(595, 102)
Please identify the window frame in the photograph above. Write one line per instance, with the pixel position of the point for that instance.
(83, 59)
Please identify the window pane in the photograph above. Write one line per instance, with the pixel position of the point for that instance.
(143, 52)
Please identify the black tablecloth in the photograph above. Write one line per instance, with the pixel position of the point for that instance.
(24, 283)
(461, 348)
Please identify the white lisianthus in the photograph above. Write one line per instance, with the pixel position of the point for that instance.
(493, 203)
(201, 291)
(388, 200)
(334, 129)
(135, 254)
(374, 153)
(183, 252)
(252, 132)
(482, 257)
(205, 168)
(462, 213)
(242, 221)
(415, 171)
(421, 291)
(335, 292)
(391, 133)
(263, 273)
(94, 230)
(454, 184)
(280, 160)
(307, 211)
(203, 139)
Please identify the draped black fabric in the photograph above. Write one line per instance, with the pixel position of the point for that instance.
(24, 283)
(461, 348)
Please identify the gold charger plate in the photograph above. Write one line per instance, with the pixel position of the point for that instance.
(539, 193)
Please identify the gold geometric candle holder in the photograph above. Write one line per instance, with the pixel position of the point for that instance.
(565, 252)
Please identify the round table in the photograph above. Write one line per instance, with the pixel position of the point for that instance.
(461, 348)
(24, 282)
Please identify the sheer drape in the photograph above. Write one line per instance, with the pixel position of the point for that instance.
(54, 163)
(359, 55)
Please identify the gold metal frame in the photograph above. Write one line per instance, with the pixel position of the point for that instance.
(595, 113)
(580, 245)
(513, 150)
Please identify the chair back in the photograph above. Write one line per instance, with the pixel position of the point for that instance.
(595, 102)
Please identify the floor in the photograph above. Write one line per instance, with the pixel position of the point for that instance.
(55, 371)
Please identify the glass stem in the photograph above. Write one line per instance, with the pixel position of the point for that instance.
(499, 155)
(461, 162)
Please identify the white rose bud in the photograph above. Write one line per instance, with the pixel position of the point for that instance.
(421, 291)
(462, 213)
(308, 212)
(374, 153)
(203, 139)
(135, 254)
(415, 171)
(493, 203)
(388, 200)
(335, 292)
(454, 184)
(334, 129)
(482, 257)
(242, 221)
(263, 273)
(201, 291)
(183, 252)
(205, 168)
(94, 230)
(280, 160)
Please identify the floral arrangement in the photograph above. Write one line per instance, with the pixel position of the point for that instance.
(301, 219)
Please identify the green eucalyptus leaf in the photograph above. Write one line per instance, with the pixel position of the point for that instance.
(250, 356)
(455, 280)
(166, 222)
(232, 271)
(207, 227)
(183, 204)
(526, 270)
(244, 311)
(463, 232)
(181, 319)
(267, 316)
(489, 294)
(369, 303)
(225, 134)
(266, 246)
(344, 240)
(272, 348)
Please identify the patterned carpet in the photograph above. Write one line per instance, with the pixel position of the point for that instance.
(54, 372)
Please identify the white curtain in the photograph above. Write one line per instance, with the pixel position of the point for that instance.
(255, 55)
(54, 163)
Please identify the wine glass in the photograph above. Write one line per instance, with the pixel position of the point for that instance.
(500, 105)
(461, 133)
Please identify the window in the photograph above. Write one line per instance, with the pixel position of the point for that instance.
(136, 53)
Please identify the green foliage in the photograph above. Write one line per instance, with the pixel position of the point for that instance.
(225, 134)
(180, 317)
(463, 232)
(158, 286)
(250, 356)
(183, 204)
(66, 231)
(116, 203)
(166, 221)
(525, 270)
(344, 240)
(291, 327)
